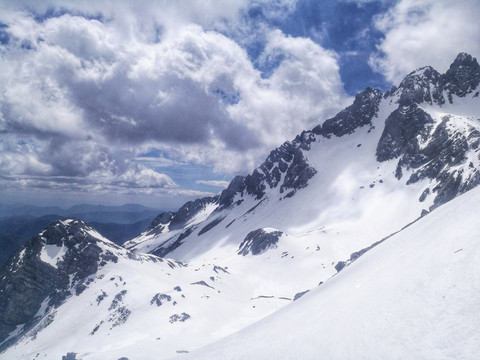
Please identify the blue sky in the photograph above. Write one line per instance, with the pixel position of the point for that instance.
(160, 102)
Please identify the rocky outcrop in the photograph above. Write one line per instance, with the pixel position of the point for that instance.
(426, 85)
(51, 266)
(420, 86)
(404, 129)
(434, 153)
(258, 241)
(462, 77)
(178, 220)
(359, 114)
(286, 168)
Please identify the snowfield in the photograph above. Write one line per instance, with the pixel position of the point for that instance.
(414, 296)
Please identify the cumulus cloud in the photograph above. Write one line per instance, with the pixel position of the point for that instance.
(426, 32)
(87, 88)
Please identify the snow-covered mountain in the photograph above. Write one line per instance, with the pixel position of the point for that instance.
(316, 204)
(415, 296)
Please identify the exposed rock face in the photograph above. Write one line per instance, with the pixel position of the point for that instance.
(159, 299)
(179, 219)
(462, 77)
(433, 153)
(426, 85)
(286, 167)
(360, 113)
(172, 243)
(401, 132)
(417, 87)
(50, 267)
(258, 241)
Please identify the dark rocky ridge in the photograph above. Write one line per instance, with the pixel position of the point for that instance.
(426, 85)
(287, 161)
(286, 168)
(178, 220)
(401, 132)
(360, 113)
(462, 77)
(406, 131)
(290, 161)
(408, 127)
(26, 281)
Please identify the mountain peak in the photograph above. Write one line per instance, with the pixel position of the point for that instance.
(416, 86)
(464, 58)
(463, 76)
(359, 114)
(50, 267)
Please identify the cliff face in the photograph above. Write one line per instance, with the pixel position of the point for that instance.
(52, 266)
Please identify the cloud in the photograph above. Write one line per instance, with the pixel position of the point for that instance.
(425, 32)
(215, 183)
(87, 88)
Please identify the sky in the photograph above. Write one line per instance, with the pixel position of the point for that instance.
(161, 102)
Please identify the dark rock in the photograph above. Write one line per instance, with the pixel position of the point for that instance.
(359, 114)
(219, 268)
(257, 241)
(298, 173)
(408, 132)
(178, 220)
(401, 132)
(95, 329)
(211, 225)
(299, 295)
(236, 186)
(189, 210)
(203, 283)
(424, 195)
(171, 244)
(462, 77)
(157, 299)
(288, 159)
(120, 316)
(70, 356)
(179, 317)
(117, 300)
(26, 281)
(340, 265)
(162, 219)
(415, 88)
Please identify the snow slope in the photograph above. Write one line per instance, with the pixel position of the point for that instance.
(415, 296)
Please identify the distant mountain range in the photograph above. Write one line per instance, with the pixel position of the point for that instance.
(356, 240)
(8, 210)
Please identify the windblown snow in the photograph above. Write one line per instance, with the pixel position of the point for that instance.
(415, 296)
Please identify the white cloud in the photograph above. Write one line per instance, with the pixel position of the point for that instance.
(144, 178)
(426, 32)
(89, 95)
(215, 183)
